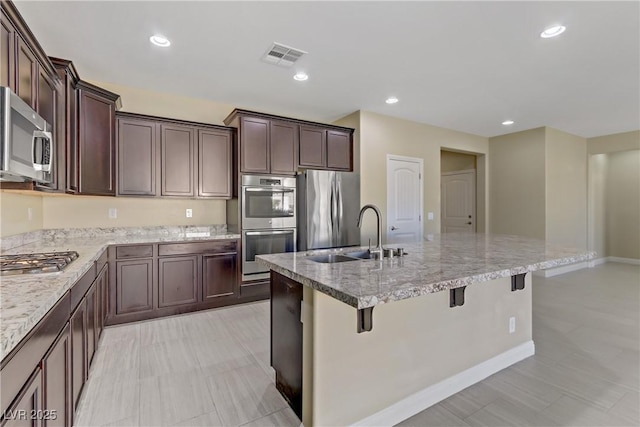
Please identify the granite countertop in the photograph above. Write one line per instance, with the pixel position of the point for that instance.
(449, 261)
(25, 299)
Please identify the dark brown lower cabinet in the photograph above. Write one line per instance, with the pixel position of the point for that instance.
(56, 367)
(177, 280)
(102, 284)
(78, 325)
(91, 302)
(219, 275)
(286, 339)
(28, 403)
(134, 286)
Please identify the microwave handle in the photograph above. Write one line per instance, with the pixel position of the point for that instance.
(269, 189)
(46, 136)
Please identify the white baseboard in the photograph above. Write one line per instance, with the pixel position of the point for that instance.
(633, 261)
(431, 395)
(550, 272)
(598, 261)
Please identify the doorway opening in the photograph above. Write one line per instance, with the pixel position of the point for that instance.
(462, 191)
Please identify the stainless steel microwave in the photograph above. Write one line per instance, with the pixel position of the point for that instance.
(26, 146)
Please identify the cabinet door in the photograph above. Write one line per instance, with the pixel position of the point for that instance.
(97, 149)
(102, 295)
(26, 73)
(134, 286)
(286, 338)
(47, 108)
(214, 163)
(7, 53)
(78, 323)
(254, 145)
(177, 280)
(339, 150)
(313, 147)
(56, 366)
(219, 275)
(178, 154)
(137, 156)
(28, 401)
(283, 148)
(91, 323)
(73, 149)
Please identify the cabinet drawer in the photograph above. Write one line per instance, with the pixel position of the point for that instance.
(199, 247)
(141, 251)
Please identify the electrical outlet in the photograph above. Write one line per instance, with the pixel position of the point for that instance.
(113, 213)
(430, 216)
(30, 214)
(189, 213)
(512, 325)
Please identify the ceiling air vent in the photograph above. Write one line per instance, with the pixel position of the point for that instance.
(282, 55)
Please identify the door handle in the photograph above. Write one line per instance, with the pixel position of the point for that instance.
(469, 223)
(394, 228)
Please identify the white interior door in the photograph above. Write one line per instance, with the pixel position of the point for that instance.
(458, 201)
(404, 199)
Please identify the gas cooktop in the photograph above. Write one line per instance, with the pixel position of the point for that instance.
(48, 262)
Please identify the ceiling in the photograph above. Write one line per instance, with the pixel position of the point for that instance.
(460, 65)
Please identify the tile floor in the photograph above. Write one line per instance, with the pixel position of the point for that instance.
(212, 368)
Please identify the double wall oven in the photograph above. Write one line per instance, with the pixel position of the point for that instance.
(268, 220)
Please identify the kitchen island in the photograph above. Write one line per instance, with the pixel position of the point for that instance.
(384, 339)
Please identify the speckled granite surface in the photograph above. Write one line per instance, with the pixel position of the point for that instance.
(449, 261)
(25, 299)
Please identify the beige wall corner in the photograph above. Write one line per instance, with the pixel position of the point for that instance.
(597, 216)
(517, 183)
(89, 211)
(353, 121)
(20, 213)
(623, 204)
(566, 189)
(451, 161)
(616, 142)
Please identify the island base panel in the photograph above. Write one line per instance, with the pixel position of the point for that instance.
(286, 339)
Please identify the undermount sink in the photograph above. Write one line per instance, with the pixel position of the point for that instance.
(330, 258)
(360, 255)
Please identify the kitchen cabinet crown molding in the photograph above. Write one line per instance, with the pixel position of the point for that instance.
(68, 66)
(129, 115)
(113, 97)
(232, 119)
(10, 10)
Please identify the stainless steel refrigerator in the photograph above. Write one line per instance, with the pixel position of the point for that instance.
(328, 204)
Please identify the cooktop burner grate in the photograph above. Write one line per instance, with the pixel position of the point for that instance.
(48, 262)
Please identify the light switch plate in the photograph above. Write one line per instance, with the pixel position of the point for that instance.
(189, 213)
(512, 325)
(430, 216)
(113, 213)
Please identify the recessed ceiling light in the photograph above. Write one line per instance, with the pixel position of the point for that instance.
(300, 76)
(508, 122)
(159, 40)
(391, 100)
(556, 30)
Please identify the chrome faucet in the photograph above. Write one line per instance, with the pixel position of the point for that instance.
(378, 250)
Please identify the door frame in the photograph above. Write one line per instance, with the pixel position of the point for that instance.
(420, 162)
(474, 202)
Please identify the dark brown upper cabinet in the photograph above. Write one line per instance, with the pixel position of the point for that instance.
(267, 147)
(165, 157)
(7, 52)
(275, 145)
(137, 156)
(26, 73)
(67, 140)
(322, 148)
(214, 163)
(313, 147)
(96, 140)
